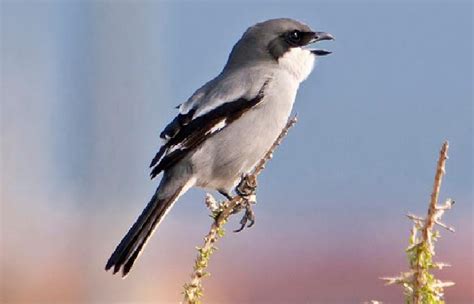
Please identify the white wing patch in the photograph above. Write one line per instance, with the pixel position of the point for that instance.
(219, 126)
(216, 128)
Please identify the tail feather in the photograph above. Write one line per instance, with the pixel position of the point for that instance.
(134, 241)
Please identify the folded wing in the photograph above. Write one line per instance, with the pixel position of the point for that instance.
(186, 132)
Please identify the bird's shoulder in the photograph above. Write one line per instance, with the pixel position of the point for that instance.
(228, 86)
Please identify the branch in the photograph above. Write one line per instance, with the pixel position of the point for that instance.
(426, 229)
(419, 284)
(193, 291)
(432, 210)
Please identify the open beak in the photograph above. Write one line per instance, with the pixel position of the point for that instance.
(320, 36)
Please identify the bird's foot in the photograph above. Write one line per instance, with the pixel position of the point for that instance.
(247, 186)
(249, 216)
(246, 189)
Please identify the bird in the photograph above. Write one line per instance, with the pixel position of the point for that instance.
(227, 125)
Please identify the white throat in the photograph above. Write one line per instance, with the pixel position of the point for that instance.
(298, 62)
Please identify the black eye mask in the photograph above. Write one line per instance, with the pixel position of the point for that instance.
(280, 45)
(297, 38)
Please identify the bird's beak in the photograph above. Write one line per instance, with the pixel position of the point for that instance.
(320, 36)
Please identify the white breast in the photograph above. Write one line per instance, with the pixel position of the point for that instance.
(298, 62)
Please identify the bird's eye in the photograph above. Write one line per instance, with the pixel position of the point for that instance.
(295, 36)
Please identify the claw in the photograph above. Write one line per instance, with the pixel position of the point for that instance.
(249, 216)
(240, 229)
(246, 189)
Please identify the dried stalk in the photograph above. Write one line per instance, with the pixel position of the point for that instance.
(440, 171)
(193, 291)
(426, 230)
(420, 285)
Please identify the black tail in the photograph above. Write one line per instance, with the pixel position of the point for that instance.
(132, 244)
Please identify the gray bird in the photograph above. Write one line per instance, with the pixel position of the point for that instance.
(227, 125)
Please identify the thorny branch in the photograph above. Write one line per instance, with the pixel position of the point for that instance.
(433, 209)
(419, 284)
(193, 291)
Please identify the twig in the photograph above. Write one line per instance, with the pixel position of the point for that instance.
(440, 171)
(193, 291)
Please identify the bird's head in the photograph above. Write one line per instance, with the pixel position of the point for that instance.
(283, 40)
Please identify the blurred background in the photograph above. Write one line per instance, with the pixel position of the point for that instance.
(86, 87)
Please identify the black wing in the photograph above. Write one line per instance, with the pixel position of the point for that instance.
(185, 133)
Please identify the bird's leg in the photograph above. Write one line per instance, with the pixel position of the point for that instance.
(226, 194)
(247, 189)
